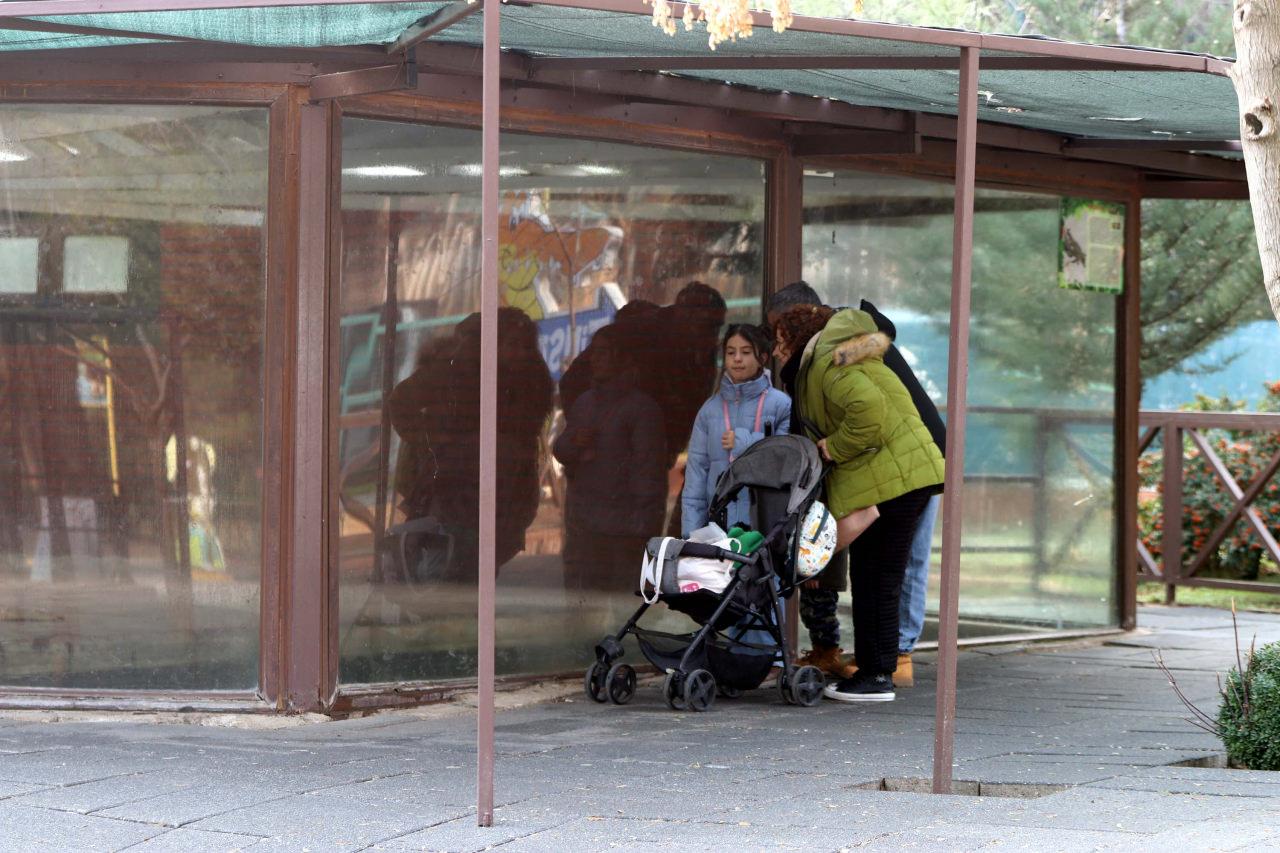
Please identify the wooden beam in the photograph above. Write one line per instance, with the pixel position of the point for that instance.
(853, 143)
(1235, 190)
(828, 62)
(438, 21)
(1157, 144)
(365, 81)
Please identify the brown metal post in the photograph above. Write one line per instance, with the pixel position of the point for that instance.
(784, 254)
(944, 734)
(1127, 400)
(491, 91)
(306, 610)
(785, 201)
(1171, 541)
(390, 326)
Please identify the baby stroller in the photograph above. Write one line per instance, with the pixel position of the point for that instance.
(741, 634)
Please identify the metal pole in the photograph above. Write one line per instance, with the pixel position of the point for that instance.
(944, 736)
(390, 323)
(1127, 427)
(490, 93)
(1171, 500)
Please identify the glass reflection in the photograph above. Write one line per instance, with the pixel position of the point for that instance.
(1039, 473)
(131, 305)
(616, 277)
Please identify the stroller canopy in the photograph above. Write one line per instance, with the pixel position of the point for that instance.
(779, 462)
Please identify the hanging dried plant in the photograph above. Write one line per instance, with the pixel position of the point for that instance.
(726, 20)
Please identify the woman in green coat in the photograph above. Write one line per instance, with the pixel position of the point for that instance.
(884, 458)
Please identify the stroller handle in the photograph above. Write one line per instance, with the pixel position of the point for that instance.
(699, 549)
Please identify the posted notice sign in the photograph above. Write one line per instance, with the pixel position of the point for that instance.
(1091, 245)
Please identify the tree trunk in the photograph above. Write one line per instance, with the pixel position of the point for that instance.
(1256, 75)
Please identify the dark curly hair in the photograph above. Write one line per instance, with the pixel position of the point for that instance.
(799, 323)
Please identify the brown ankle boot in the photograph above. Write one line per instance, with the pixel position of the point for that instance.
(829, 659)
(903, 676)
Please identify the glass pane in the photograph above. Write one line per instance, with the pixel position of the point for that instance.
(19, 259)
(655, 246)
(131, 396)
(1039, 516)
(95, 264)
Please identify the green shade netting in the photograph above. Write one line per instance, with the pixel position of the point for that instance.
(279, 26)
(1112, 104)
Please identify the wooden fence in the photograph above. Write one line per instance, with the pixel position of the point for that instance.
(1177, 429)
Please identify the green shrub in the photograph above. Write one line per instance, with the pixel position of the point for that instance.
(1249, 719)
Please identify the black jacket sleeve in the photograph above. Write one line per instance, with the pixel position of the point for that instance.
(883, 323)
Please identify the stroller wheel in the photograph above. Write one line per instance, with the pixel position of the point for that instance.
(672, 691)
(784, 685)
(699, 690)
(621, 683)
(594, 682)
(806, 685)
(728, 692)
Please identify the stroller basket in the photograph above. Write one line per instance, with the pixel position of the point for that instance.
(741, 636)
(735, 665)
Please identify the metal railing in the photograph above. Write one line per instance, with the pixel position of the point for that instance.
(1178, 429)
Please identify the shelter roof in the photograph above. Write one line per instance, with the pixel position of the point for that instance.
(1131, 94)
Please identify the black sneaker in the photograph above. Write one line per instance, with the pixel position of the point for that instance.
(861, 688)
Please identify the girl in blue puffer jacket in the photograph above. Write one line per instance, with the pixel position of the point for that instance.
(746, 409)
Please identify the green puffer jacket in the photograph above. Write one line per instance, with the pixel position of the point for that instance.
(880, 447)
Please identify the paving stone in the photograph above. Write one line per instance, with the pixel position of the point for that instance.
(1116, 811)
(87, 797)
(69, 765)
(956, 837)
(24, 829)
(196, 841)
(651, 835)
(350, 816)
(463, 835)
(187, 805)
(1237, 833)
(1013, 769)
(752, 774)
(17, 789)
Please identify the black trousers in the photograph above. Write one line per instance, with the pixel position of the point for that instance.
(878, 560)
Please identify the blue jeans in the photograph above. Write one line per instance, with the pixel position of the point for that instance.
(915, 582)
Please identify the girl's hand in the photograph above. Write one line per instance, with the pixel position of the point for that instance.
(726, 440)
(810, 584)
(822, 448)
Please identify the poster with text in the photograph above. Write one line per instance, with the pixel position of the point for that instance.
(1091, 246)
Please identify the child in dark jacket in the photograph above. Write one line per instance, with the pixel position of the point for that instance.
(614, 455)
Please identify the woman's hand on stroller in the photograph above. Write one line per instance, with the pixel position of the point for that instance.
(822, 448)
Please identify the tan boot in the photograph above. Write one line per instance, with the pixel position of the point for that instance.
(903, 676)
(829, 659)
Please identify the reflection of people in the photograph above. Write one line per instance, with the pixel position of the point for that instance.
(436, 412)
(884, 459)
(613, 452)
(635, 319)
(687, 374)
(746, 409)
(202, 537)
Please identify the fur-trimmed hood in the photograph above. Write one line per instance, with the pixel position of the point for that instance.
(851, 336)
(854, 350)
